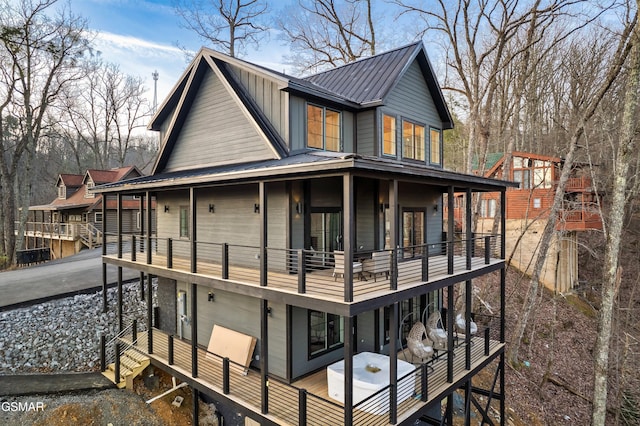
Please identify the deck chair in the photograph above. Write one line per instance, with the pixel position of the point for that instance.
(338, 269)
(418, 343)
(436, 332)
(380, 263)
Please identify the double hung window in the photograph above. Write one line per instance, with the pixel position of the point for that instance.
(388, 135)
(435, 136)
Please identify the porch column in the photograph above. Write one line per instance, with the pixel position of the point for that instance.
(467, 323)
(264, 351)
(393, 363)
(195, 397)
(348, 238)
(393, 232)
(104, 252)
(262, 199)
(147, 197)
(119, 223)
(468, 230)
(194, 330)
(193, 230)
(450, 327)
(348, 369)
(450, 231)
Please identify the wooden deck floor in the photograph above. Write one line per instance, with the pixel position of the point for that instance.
(319, 283)
(284, 399)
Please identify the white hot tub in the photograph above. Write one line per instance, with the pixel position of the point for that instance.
(370, 374)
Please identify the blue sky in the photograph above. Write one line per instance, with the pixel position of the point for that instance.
(141, 36)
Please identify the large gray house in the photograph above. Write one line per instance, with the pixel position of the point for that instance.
(300, 239)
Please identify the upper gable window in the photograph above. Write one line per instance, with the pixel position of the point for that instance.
(62, 192)
(435, 136)
(89, 192)
(323, 128)
(413, 141)
(389, 135)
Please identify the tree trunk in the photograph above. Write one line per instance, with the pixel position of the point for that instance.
(612, 273)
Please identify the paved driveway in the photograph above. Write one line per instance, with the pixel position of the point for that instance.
(63, 276)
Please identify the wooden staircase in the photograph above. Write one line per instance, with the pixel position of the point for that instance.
(90, 235)
(132, 363)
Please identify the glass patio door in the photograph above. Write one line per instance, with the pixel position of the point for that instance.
(326, 233)
(413, 232)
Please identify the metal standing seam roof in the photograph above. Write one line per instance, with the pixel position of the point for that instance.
(368, 79)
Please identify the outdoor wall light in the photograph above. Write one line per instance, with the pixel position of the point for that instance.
(435, 208)
(211, 297)
(269, 311)
(256, 208)
(299, 207)
(166, 209)
(212, 208)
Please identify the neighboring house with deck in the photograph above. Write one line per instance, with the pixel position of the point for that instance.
(528, 209)
(300, 236)
(73, 220)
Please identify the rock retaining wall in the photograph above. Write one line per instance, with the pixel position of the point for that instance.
(64, 334)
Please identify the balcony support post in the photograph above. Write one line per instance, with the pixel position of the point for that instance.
(225, 376)
(225, 261)
(142, 222)
(467, 323)
(103, 352)
(134, 332)
(264, 361)
(424, 384)
(104, 253)
(169, 253)
(302, 272)
(263, 233)
(193, 230)
(147, 197)
(393, 363)
(141, 281)
(194, 330)
(195, 394)
(133, 247)
(470, 241)
(302, 407)
(119, 298)
(119, 223)
(149, 313)
(450, 230)
(503, 274)
(348, 370)
(450, 327)
(487, 249)
(393, 232)
(116, 365)
(348, 239)
(170, 349)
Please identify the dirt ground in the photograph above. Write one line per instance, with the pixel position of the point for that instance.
(109, 407)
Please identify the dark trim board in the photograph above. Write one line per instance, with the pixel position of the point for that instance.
(347, 309)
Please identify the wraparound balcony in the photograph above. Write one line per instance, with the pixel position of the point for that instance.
(306, 272)
(306, 401)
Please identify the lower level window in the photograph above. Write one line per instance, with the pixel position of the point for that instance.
(326, 331)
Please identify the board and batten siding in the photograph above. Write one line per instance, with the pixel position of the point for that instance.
(216, 131)
(411, 98)
(272, 101)
(365, 214)
(366, 140)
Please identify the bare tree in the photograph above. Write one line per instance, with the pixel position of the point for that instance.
(230, 25)
(625, 157)
(327, 33)
(38, 57)
(104, 113)
(586, 109)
